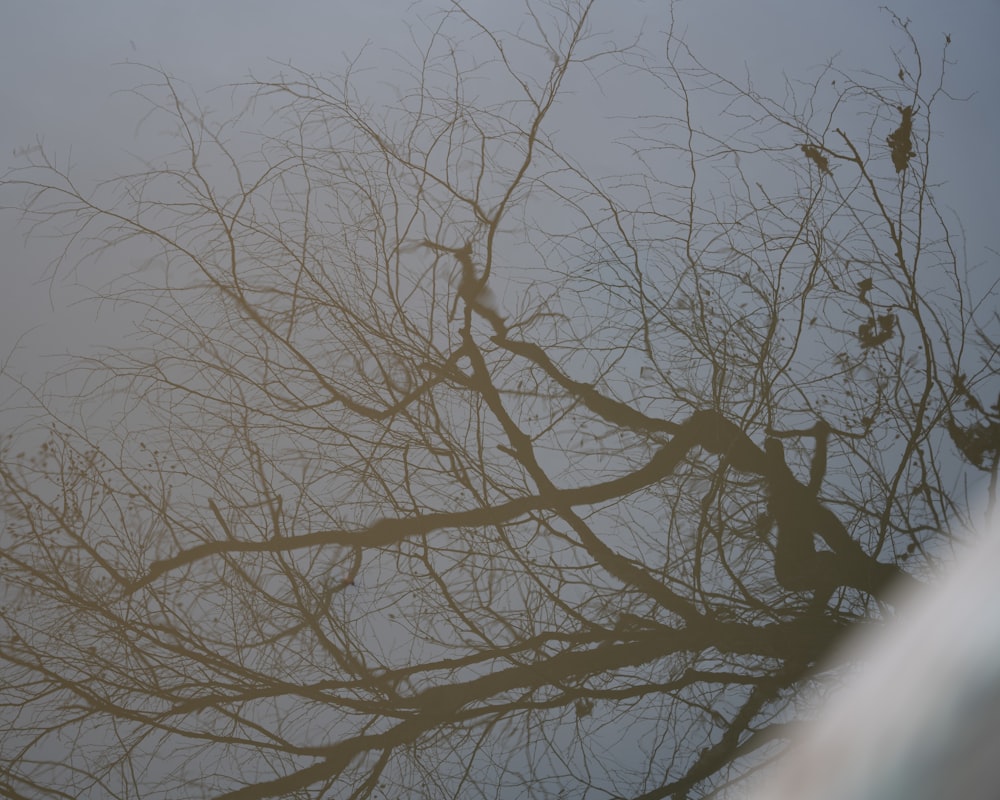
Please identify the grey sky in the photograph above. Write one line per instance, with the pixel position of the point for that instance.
(66, 78)
(62, 63)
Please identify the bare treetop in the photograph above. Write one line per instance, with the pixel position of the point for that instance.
(449, 461)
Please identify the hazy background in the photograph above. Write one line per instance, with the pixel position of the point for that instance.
(66, 69)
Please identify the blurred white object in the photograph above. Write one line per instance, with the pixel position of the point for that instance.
(922, 720)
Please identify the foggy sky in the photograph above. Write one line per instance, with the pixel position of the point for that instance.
(68, 66)
(66, 74)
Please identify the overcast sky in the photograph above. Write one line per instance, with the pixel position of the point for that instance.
(64, 67)
(62, 63)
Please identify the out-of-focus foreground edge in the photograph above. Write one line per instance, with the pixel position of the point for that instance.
(921, 720)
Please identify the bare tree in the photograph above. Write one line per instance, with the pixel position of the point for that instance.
(444, 464)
